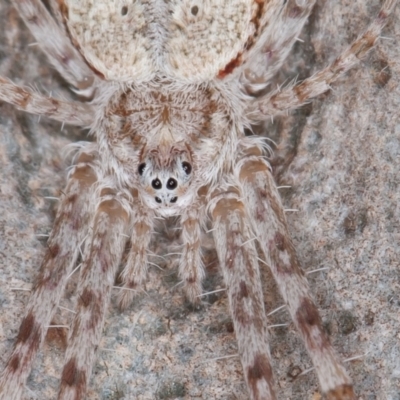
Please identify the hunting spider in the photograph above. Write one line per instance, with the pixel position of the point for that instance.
(173, 89)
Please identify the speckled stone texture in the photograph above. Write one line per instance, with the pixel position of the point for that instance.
(341, 157)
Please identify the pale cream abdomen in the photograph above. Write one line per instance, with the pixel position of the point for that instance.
(136, 40)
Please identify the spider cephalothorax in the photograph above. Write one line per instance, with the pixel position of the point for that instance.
(170, 85)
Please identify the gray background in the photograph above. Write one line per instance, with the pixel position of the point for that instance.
(341, 157)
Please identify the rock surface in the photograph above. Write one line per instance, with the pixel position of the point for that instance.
(341, 157)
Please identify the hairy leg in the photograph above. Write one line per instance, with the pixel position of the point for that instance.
(55, 43)
(56, 13)
(80, 114)
(281, 24)
(134, 273)
(63, 249)
(238, 259)
(101, 259)
(191, 268)
(269, 222)
(295, 96)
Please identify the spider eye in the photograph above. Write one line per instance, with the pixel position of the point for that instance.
(174, 199)
(172, 183)
(141, 168)
(187, 168)
(156, 184)
(158, 200)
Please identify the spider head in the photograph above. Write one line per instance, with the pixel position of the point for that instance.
(165, 175)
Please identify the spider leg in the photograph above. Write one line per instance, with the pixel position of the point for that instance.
(294, 96)
(135, 270)
(63, 250)
(269, 220)
(238, 259)
(281, 24)
(73, 113)
(56, 13)
(65, 58)
(191, 268)
(101, 259)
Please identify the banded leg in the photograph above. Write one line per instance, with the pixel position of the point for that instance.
(238, 259)
(135, 271)
(191, 268)
(102, 257)
(72, 113)
(269, 220)
(57, 46)
(68, 233)
(295, 96)
(281, 24)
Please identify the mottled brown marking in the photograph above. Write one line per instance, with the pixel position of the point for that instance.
(229, 327)
(63, 9)
(250, 169)
(243, 290)
(74, 378)
(53, 250)
(69, 374)
(300, 92)
(165, 115)
(24, 99)
(113, 209)
(131, 285)
(225, 207)
(85, 175)
(107, 192)
(232, 250)
(280, 241)
(71, 199)
(279, 244)
(86, 297)
(26, 329)
(292, 268)
(344, 392)
(142, 229)
(86, 158)
(261, 369)
(45, 280)
(240, 316)
(307, 317)
(382, 16)
(243, 316)
(13, 364)
(96, 313)
(360, 49)
(307, 314)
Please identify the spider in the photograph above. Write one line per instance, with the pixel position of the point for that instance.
(170, 140)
